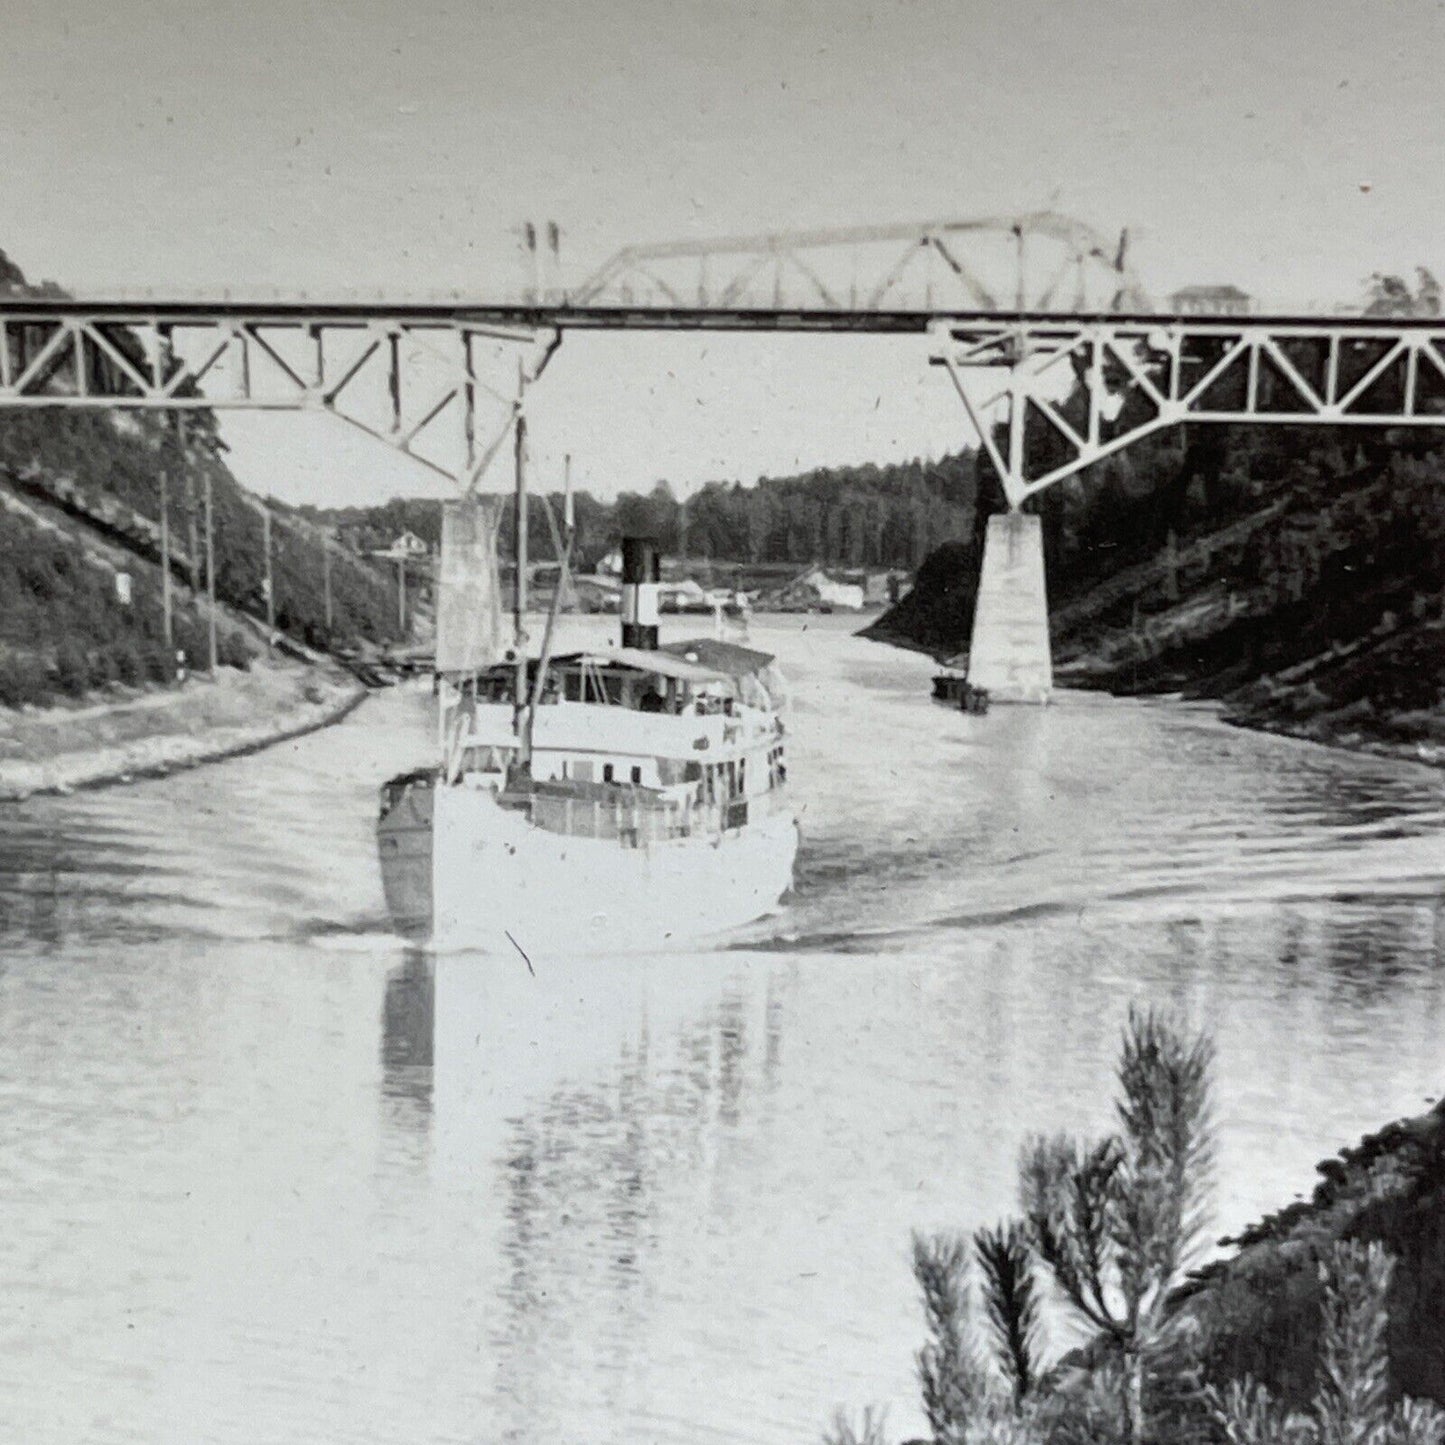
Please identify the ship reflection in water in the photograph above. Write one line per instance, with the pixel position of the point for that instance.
(567, 1109)
(408, 1033)
(270, 1172)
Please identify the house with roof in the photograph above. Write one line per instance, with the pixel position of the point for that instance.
(408, 547)
(1211, 301)
(815, 590)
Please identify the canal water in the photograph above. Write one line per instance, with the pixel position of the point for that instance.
(268, 1174)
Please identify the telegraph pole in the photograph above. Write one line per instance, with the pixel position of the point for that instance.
(166, 624)
(519, 540)
(401, 594)
(210, 579)
(195, 541)
(270, 578)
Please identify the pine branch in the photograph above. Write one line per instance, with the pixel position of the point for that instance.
(949, 1376)
(1417, 1422)
(1246, 1413)
(1012, 1301)
(1351, 1398)
(868, 1431)
(1165, 1111)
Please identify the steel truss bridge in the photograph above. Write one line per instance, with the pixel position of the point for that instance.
(1038, 320)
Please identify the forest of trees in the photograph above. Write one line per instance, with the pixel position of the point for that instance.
(865, 516)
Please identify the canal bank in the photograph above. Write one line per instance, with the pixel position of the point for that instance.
(151, 733)
(1260, 1308)
(1373, 690)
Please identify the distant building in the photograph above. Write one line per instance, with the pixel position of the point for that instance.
(1211, 301)
(817, 589)
(406, 548)
(684, 595)
(879, 588)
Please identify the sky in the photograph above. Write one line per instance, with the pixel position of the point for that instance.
(1290, 147)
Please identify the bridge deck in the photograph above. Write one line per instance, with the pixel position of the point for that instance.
(524, 316)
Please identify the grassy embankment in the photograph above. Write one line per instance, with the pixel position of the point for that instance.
(91, 691)
(88, 686)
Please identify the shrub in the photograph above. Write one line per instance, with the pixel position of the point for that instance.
(23, 680)
(72, 668)
(159, 661)
(1351, 1404)
(232, 650)
(129, 665)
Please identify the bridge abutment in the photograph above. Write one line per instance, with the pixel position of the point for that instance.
(1009, 652)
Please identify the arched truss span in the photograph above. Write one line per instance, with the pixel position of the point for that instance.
(1039, 261)
(1051, 397)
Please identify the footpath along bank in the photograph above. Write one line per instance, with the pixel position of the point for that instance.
(148, 733)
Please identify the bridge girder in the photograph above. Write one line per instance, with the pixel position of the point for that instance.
(1075, 392)
(1063, 392)
(401, 379)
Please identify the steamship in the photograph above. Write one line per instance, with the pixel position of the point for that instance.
(623, 797)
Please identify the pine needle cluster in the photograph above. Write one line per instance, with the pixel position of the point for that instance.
(1351, 1405)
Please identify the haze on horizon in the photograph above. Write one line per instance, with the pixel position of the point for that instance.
(1291, 148)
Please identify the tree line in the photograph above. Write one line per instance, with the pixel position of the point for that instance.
(856, 516)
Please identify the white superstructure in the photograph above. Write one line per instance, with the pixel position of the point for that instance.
(642, 800)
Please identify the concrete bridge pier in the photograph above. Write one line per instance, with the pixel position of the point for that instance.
(1009, 653)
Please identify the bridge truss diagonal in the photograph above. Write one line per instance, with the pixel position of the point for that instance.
(442, 389)
(1049, 392)
(1052, 396)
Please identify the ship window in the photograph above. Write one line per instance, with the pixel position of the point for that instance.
(606, 772)
(637, 775)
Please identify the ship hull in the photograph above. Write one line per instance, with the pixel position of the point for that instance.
(484, 877)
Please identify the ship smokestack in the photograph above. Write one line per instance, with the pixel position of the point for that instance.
(641, 572)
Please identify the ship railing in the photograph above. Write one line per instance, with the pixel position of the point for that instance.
(630, 820)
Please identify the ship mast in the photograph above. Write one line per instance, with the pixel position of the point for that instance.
(564, 572)
(519, 586)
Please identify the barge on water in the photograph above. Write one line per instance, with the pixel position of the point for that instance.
(957, 691)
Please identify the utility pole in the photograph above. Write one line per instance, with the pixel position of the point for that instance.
(167, 628)
(270, 578)
(401, 594)
(519, 581)
(326, 580)
(210, 580)
(194, 536)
